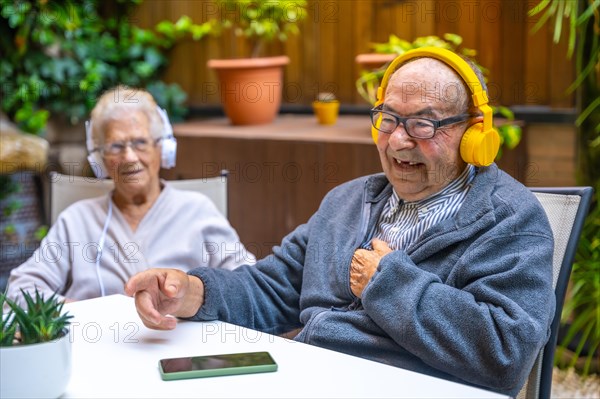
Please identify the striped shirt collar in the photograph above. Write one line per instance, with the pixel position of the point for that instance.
(456, 186)
(402, 223)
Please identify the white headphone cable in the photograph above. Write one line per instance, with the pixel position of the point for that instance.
(101, 247)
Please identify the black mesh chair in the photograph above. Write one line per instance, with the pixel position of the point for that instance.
(566, 208)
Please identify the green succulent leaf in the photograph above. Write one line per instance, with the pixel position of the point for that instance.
(8, 327)
(40, 319)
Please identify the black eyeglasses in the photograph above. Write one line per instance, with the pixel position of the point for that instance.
(139, 145)
(418, 128)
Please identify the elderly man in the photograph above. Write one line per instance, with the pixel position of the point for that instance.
(440, 265)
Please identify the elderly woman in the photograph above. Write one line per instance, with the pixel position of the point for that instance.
(96, 245)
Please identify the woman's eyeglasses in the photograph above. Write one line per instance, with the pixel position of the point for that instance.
(139, 145)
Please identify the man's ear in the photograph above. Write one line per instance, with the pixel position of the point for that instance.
(476, 119)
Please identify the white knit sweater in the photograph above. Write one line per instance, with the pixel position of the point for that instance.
(182, 230)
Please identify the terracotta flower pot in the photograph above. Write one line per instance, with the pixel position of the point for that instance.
(373, 60)
(250, 88)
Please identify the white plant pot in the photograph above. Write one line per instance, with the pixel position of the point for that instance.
(36, 371)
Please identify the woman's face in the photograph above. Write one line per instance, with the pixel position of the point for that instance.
(131, 155)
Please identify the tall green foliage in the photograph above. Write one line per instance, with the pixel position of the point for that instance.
(582, 306)
(583, 303)
(58, 57)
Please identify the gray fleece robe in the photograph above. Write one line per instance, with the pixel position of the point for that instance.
(470, 301)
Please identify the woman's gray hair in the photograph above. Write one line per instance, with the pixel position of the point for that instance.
(118, 102)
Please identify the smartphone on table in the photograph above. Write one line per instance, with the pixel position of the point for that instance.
(216, 365)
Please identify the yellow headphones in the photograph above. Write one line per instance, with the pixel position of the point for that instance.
(480, 143)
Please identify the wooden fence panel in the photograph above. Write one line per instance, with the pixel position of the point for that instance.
(536, 89)
(524, 68)
(488, 48)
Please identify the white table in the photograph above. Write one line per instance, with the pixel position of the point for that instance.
(115, 355)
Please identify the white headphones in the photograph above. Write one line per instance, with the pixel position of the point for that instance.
(167, 156)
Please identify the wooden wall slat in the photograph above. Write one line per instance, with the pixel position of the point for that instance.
(382, 21)
(524, 68)
(423, 23)
(552, 151)
(345, 46)
(445, 18)
(536, 67)
(363, 13)
(559, 66)
(328, 50)
(468, 23)
(489, 53)
(402, 22)
(513, 37)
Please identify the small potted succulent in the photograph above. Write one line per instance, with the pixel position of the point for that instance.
(326, 108)
(35, 347)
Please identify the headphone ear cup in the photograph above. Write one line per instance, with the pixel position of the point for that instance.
(479, 147)
(374, 131)
(97, 165)
(168, 152)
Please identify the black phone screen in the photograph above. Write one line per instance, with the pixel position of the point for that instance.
(233, 360)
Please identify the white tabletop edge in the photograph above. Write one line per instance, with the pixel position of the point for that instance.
(115, 355)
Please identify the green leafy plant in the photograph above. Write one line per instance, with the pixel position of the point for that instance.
(8, 327)
(584, 297)
(581, 312)
(368, 82)
(262, 21)
(583, 20)
(41, 321)
(8, 187)
(580, 18)
(58, 57)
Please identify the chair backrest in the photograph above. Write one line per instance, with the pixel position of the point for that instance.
(566, 208)
(66, 189)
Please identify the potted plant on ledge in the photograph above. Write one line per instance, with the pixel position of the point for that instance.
(251, 87)
(326, 108)
(35, 347)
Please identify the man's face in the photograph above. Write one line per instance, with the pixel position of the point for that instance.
(418, 168)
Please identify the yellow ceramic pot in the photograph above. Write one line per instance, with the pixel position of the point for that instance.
(326, 112)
